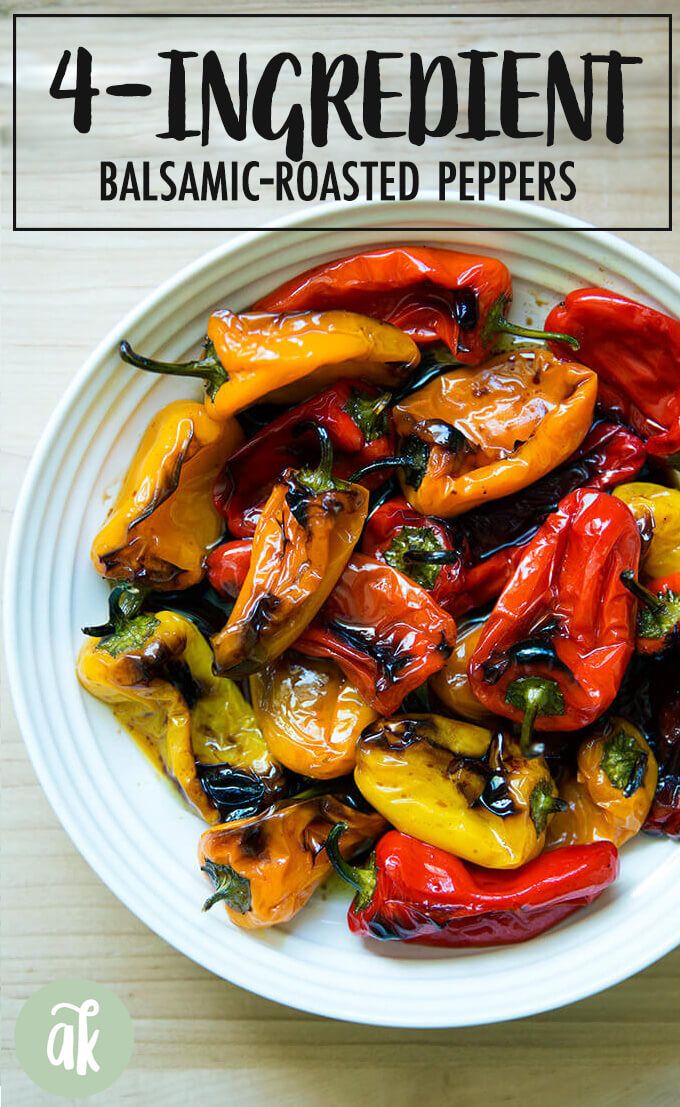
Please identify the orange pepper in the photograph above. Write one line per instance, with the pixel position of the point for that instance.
(304, 537)
(265, 869)
(310, 714)
(478, 433)
(285, 358)
(612, 792)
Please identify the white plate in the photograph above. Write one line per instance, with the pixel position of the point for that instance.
(124, 819)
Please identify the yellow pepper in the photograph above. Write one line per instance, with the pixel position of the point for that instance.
(478, 433)
(257, 356)
(156, 673)
(610, 796)
(493, 813)
(659, 508)
(451, 684)
(310, 714)
(163, 519)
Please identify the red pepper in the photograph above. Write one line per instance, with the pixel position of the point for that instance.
(353, 414)
(414, 892)
(556, 646)
(228, 566)
(635, 352)
(467, 562)
(430, 293)
(664, 814)
(399, 535)
(658, 621)
(385, 632)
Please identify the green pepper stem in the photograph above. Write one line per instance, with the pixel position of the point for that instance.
(364, 880)
(322, 476)
(534, 696)
(506, 327)
(374, 466)
(230, 888)
(125, 602)
(497, 323)
(654, 603)
(207, 368)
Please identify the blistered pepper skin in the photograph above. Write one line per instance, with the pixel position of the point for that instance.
(634, 350)
(423, 789)
(270, 866)
(138, 671)
(423, 894)
(286, 357)
(352, 412)
(492, 430)
(310, 714)
(660, 507)
(565, 619)
(430, 293)
(610, 797)
(385, 632)
(163, 521)
(301, 545)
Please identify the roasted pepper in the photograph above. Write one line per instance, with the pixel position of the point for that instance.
(303, 540)
(664, 816)
(475, 434)
(612, 792)
(634, 350)
(155, 670)
(431, 293)
(658, 507)
(352, 412)
(227, 566)
(265, 869)
(163, 519)
(658, 619)
(283, 358)
(385, 632)
(310, 714)
(556, 646)
(427, 775)
(451, 684)
(414, 892)
(468, 562)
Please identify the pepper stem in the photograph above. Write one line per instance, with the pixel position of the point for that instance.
(374, 466)
(654, 603)
(534, 696)
(321, 477)
(364, 880)
(207, 368)
(125, 602)
(230, 887)
(496, 323)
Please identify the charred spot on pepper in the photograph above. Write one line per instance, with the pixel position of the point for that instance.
(396, 734)
(230, 888)
(236, 793)
(624, 762)
(466, 309)
(364, 640)
(415, 455)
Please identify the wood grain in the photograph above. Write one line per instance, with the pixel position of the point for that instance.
(195, 1034)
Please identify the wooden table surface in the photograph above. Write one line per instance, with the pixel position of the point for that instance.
(195, 1034)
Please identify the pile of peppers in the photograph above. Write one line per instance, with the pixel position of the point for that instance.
(399, 597)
